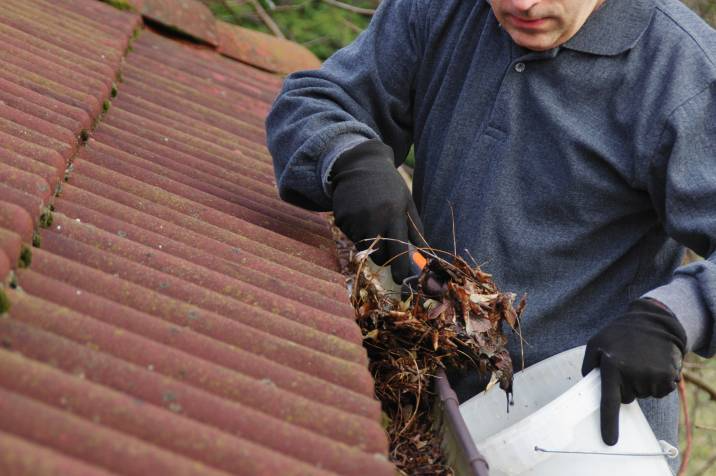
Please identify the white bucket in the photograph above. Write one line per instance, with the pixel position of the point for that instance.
(557, 410)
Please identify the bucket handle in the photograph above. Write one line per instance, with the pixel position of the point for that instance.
(666, 450)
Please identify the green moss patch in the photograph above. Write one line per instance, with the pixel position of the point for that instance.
(4, 302)
(46, 218)
(120, 4)
(25, 257)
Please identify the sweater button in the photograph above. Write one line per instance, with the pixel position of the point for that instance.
(519, 67)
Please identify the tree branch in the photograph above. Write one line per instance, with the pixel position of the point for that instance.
(351, 8)
(266, 18)
(701, 384)
(707, 466)
(262, 14)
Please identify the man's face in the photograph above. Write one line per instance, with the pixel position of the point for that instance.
(541, 25)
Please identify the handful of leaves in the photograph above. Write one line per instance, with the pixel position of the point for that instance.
(409, 339)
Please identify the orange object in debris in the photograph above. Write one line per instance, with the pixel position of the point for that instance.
(418, 259)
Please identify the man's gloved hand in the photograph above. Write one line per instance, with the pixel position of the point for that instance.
(639, 356)
(370, 198)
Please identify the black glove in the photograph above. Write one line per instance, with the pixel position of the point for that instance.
(370, 198)
(639, 356)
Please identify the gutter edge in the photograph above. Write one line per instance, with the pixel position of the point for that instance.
(476, 463)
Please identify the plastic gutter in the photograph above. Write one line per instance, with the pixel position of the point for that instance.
(461, 451)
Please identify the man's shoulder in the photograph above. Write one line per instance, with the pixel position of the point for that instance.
(676, 56)
(682, 29)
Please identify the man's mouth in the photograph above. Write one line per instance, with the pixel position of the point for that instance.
(527, 24)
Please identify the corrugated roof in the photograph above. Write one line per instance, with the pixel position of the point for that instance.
(177, 317)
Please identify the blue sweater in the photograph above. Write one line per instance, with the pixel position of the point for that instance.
(576, 175)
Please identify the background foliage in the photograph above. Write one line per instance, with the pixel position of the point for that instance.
(320, 26)
(702, 412)
(705, 8)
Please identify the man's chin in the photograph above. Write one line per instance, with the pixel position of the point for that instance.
(534, 42)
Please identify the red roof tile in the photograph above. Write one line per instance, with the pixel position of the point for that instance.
(84, 439)
(43, 107)
(202, 442)
(27, 182)
(31, 204)
(13, 217)
(10, 244)
(247, 361)
(20, 457)
(51, 173)
(190, 17)
(264, 51)
(5, 265)
(260, 218)
(178, 317)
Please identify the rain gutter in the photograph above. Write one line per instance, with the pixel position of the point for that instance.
(461, 451)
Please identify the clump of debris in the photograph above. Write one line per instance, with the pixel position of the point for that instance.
(451, 318)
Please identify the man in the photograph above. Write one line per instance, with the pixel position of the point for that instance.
(575, 141)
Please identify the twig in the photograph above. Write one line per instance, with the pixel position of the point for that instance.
(314, 41)
(266, 18)
(689, 429)
(474, 262)
(522, 342)
(417, 400)
(228, 4)
(291, 6)
(703, 427)
(454, 238)
(356, 29)
(696, 365)
(351, 8)
(701, 384)
(262, 14)
(703, 471)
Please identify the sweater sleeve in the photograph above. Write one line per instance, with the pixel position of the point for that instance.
(364, 91)
(682, 183)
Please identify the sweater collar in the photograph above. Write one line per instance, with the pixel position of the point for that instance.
(614, 28)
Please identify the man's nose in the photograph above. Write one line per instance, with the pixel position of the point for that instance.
(523, 6)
